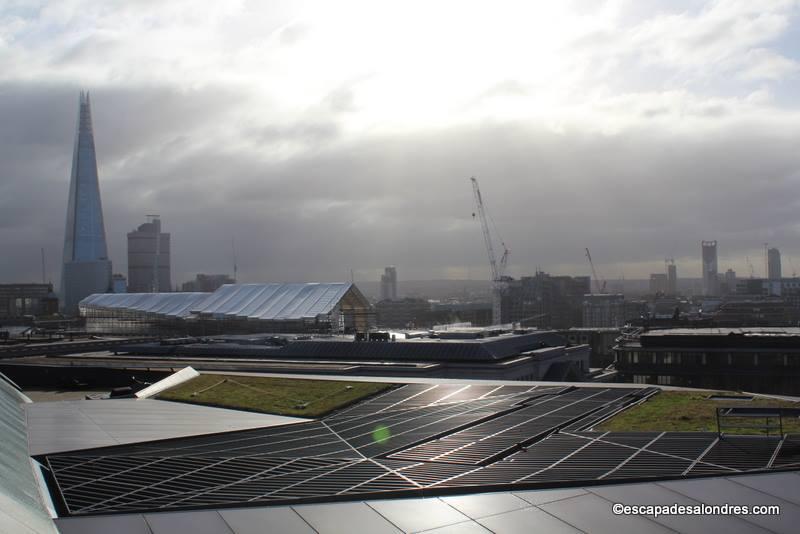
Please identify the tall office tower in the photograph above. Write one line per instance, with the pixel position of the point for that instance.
(148, 258)
(659, 283)
(672, 279)
(730, 281)
(389, 284)
(710, 277)
(86, 268)
(774, 264)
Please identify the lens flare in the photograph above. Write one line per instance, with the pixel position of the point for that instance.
(381, 434)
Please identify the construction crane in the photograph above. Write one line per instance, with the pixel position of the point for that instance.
(597, 287)
(235, 266)
(499, 278)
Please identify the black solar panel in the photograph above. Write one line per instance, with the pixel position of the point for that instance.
(407, 439)
(740, 453)
(492, 440)
(788, 454)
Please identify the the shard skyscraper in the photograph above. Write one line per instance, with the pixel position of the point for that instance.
(86, 269)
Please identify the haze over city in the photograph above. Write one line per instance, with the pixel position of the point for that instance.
(328, 138)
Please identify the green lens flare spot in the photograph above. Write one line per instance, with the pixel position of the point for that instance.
(381, 434)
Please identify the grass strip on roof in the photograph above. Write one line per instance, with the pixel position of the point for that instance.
(281, 396)
(688, 411)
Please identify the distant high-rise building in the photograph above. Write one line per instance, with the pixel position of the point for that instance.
(710, 275)
(207, 283)
(119, 284)
(659, 283)
(672, 279)
(20, 300)
(86, 268)
(544, 301)
(405, 313)
(148, 258)
(774, 264)
(389, 284)
(604, 310)
(730, 281)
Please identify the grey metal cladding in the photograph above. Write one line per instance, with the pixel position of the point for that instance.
(22, 507)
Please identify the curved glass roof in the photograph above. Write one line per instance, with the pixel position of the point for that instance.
(269, 302)
(281, 302)
(166, 304)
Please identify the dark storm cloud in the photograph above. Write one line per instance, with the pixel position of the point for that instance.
(134, 128)
(406, 200)
(636, 138)
(397, 199)
(393, 199)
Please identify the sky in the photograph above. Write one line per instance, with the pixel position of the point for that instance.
(328, 136)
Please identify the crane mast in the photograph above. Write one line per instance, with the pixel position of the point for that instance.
(597, 287)
(497, 272)
(487, 237)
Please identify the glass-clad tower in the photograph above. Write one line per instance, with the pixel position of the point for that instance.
(710, 275)
(86, 268)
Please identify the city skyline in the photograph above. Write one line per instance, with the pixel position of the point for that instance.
(637, 158)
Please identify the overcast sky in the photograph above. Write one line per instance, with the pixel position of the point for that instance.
(326, 136)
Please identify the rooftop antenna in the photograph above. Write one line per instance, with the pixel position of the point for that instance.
(352, 277)
(235, 267)
(43, 270)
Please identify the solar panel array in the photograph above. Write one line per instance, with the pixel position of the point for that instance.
(413, 438)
